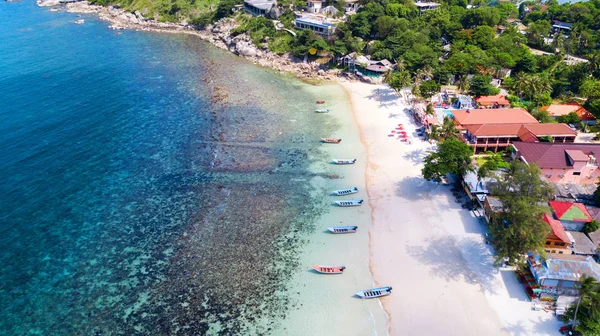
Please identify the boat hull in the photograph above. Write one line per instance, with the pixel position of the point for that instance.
(342, 229)
(344, 161)
(331, 140)
(374, 292)
(328, 269)
(350, 203)
(344, 192)
(322, 111)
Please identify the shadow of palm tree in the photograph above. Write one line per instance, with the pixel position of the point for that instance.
(416, 156)
(386, 97)
(446, 256)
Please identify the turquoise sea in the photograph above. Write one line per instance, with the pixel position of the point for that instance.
(151, 184)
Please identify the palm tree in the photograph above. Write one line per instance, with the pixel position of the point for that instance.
(435, 133)
(429, 110)
(448, 128)
(388, 76)
(594, 62)
(464, 84)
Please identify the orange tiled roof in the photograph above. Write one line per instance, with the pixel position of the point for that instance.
(550, 129)
(494, 130)
(491, 100)
(557, 110)
(493, 116)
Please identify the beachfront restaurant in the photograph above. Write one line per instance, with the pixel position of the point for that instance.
(557, 275)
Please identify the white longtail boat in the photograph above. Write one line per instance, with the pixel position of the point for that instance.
(349, 203)
(322, 110)
(343, 192)
(374, 292)
(329, 269)
(344, 161)
(331, 140)
(342, 229)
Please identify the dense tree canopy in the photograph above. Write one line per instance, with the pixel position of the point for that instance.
(451, 157)
(519, 228)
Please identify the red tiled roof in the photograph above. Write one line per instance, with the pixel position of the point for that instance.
(553, 155)
(557, 228)
(491, 100)
(561, 208)
(577, 155)
(494, 130)
(557, 110)
(493, 116)
(550, 129)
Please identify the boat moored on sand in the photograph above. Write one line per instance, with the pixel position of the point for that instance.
(343, 161)
(342, 229)
(329, 269)
(322, 110)
(331, 140)
(349, 203)
(343, 192)
(374, 292)
(319, 101)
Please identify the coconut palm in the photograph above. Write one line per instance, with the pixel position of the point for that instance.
(429, 110)
(448, 129)
(594, 62)
(464, 84)
(435, 133)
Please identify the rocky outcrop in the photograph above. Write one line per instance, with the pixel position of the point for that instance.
(47, 3)
(220, 34)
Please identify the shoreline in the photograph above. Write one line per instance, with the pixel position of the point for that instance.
(371, 202)
(217, 34)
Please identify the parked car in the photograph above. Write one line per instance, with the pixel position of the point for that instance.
(571, 126)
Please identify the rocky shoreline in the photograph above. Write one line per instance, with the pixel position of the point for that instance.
(218, 34)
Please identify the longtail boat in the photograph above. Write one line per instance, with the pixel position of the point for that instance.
(319, 101)
(349, 203)
(374, 292)
(322, 110)
(342, 229)
(343, 192)
(331, 140)
(344, 161)
(329, 269)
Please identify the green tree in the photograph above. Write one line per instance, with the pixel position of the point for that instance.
(587, 308)
(590, 89)
(481, 86)
(429, 88)
(543, 117)
(591, 226)
(519, 228)
(398, 80)
(452, 157)
(571, 118)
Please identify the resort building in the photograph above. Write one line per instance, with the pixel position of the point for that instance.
(560, 26)
(498, 101)
(478, 188)
(557, 241)
(497, 137)
(561, 163)
(425, 6)
(572, 216)
(559, 110)
(317, 24)
(492, 206)
(259, 7)
(351, 6)
(469, 117)
(314, 6)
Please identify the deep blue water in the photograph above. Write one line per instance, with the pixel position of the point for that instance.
(145, 181)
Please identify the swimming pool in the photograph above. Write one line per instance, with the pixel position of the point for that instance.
(448, 113)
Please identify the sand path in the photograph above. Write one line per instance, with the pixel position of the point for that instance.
(425, 245)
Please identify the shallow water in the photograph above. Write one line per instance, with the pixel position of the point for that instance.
(151, 184)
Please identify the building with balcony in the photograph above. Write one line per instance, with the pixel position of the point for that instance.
(497, 101)
(561, 163)
(259, 7)
(426, 6)
(557, 241)
(317, 24)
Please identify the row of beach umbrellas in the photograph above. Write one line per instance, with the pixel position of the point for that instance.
(400, 132)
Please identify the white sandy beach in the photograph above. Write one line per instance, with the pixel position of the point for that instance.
(425, 245)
